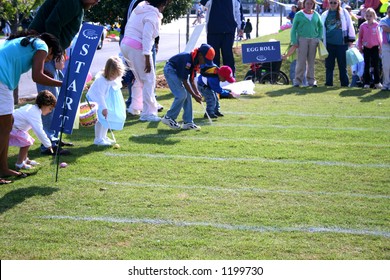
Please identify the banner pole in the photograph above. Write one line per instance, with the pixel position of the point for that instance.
(57, 155)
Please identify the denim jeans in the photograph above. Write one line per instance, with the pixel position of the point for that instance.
(183, 98)
(47, 120)
(211, 98)
(336, 52)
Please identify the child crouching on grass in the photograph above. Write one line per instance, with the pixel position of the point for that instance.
(27, 117)
(209, 86)
(106, 92)
(177, 71)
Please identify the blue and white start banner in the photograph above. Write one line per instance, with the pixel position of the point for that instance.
(75, 77)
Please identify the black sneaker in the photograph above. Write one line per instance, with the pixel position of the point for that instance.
(219, 114)
(212, 116)
(62, 152)
(70, 144)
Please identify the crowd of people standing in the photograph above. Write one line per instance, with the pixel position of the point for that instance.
(333, 25)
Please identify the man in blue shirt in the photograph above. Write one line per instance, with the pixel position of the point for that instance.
(222, 20)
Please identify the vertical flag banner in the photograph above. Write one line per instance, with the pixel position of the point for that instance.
(75, 77)
(261, 52)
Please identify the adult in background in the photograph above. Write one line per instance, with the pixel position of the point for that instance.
(339, 34)
(63, 19)
(222, 20)
(305, 34)
(18, 54)
(140, 32)
(374, 4)
(128, 77)
(385, 25)
(248, 29)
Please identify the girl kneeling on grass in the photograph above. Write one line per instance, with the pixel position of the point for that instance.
(27, 117)
(106, 92)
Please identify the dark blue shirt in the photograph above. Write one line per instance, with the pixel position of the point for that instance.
(183, 64)
(213, 84)
(221, 18)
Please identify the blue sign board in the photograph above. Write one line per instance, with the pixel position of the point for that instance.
(261, 52)
(75, 77)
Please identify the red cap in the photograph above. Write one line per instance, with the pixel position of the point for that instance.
(227, 73)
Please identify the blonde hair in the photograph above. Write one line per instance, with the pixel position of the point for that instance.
(372, 12)
(114, 68)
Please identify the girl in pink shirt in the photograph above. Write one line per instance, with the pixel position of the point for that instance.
(370, 45)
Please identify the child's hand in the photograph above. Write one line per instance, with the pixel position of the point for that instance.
(198, 98)
(105, 113)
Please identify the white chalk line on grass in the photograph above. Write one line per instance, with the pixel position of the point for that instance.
(257, 139)
(298, 114)
(306, 229)
(301, 127)
(235, 190)
(263, 160)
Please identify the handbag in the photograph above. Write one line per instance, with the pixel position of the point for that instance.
(322, 51)
(354, 56)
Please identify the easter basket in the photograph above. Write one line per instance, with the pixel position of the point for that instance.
(88, 114)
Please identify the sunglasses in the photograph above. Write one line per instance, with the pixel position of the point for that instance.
(333, 3)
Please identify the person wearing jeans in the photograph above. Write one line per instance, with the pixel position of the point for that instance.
(339, 34)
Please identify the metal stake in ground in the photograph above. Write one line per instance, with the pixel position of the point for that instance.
(207, 114)
(112, 133)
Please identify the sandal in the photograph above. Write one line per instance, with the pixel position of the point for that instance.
(4, 182)
(22, 175)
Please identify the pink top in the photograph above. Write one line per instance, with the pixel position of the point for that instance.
(369, 36)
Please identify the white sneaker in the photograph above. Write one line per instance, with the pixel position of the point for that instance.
(170, 122)
(109, 140)
(102, 142)
(31, 162)
(378, 86)
(133, 112)
(22, 165)
(366, 86)
(149, 118)
(190, 126)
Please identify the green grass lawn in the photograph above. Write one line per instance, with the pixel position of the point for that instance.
(286, 174)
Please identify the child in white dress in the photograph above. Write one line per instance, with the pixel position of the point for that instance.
(29, 117)
(106, 92)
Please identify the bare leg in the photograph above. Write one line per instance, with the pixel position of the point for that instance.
(23, 152)
(5, 130)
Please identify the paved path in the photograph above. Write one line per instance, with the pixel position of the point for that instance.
(172, 41)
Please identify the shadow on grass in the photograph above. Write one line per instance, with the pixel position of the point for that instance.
(354, 92)
(161, 137)
(378, 95)
(298, 90)
(15, 197)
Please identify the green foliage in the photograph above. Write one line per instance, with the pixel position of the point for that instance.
(111, 11)
(17, 10)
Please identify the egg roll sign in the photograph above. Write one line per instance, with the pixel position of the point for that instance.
(75, 77)
(261, 52)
